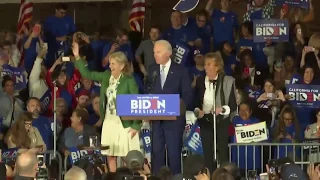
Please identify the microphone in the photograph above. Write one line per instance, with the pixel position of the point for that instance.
(196, 112)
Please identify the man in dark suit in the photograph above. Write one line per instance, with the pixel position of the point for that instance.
(168, 77)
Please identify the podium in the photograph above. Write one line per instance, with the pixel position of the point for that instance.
(161, 117)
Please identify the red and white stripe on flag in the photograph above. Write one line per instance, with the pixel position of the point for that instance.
(25, 15)
(136, 19)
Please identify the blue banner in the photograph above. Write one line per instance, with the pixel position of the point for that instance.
(146, 139)
(304, 4)
(181, 53)
(185, 6)
(193, 141)
(45, 100)
(275, 30)
(305, 96)
(76, 155)
(148, 105)
(17, 74)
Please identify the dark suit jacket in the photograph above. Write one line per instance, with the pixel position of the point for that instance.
(261, 74)
(200, 89)
(177, 82)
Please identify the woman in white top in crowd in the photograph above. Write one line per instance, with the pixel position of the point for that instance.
(37, 84)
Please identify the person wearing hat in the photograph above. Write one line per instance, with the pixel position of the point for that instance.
(83, 97)
(121, 136)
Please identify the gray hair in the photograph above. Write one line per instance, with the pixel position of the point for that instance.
(165, 44)
(75, 173)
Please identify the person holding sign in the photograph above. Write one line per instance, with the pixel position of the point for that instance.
(245, 119)
(225, 103)
(121, 136)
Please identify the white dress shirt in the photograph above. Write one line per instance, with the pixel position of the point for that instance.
(208, 98)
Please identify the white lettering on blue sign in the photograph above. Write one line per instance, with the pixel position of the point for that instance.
(195, 141)
(179, 54)
(270, 31)
(75, 156)
(147, 140)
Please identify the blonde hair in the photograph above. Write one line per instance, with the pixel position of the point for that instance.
(217, 58)
(121, 58)
(314, 41)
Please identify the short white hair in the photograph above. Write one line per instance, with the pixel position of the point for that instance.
(75, 173)
(165, 44)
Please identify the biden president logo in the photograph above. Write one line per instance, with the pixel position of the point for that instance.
(148, 105)
(274, 30)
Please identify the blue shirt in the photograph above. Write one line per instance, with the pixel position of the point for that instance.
(93, 119)
(257, 50)
(205, 34)
(97, 47)
(31, 53)
(182, 35)
(281, 152)
(125, 48)
(43, 124)
(57, 27)
(241, 150)
(224, 24)
(230, 60)
(256, 15)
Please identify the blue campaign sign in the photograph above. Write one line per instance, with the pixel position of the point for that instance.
(17, 74)
(253, 94)
(76, 155)
(276, 30)
(185, 6)
(305, 96)
(45, 100)
(9, 154)
(304, 4)
(181, 53)
(193, 141)
(146, 139)
(148, 105)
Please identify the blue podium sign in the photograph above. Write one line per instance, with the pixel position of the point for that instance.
(148, 105)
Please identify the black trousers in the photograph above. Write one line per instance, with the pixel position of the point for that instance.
(207, 138)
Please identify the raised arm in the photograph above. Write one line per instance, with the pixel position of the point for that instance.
(80, 65)
(36, 69)
(209, 8)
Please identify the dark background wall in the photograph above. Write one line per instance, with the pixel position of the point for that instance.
(106, 16)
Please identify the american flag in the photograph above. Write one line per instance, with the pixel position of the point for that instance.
(25, 15)
(136, 20)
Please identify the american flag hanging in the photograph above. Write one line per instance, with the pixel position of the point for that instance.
(136, 20)
(25, 15)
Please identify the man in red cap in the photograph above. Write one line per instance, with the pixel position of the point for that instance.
(83, 96)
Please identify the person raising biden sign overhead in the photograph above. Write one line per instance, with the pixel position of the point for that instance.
(121, 136)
